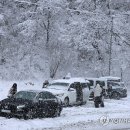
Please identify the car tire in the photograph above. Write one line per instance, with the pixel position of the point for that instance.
(115, 95)
(47, 113)
(29, 114)
(57, 112)
(66, 102)
(96, 104)
(9, 116)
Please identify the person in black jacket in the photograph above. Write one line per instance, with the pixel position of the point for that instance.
(12, 90)
(45, 84)
(79, 93)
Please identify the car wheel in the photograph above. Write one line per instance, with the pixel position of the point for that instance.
(96, 104)
(66, 102)
(29, 115)
(57, 112)
(9, 116)
(115, 95)
(46, 114)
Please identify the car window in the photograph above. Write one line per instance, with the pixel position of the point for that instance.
(84, 85)
(50, 96)
(91, 82)
(46, 95)
(42, 95)
(72, 86)
(101, 83)
(25, 95)
(113, 84)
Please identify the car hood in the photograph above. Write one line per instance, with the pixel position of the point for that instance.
(16, 102)
(55, 91)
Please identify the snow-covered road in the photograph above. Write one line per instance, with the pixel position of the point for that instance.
(115, 115)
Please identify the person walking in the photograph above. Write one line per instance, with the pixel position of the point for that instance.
(98, 96)
(45, 84)
(12, 90)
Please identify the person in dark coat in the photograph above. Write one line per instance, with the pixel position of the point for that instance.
(12, 90)
(45, 84)
(79, 93)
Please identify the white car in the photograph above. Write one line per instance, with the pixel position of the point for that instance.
(65, 90)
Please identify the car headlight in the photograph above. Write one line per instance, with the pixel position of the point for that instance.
(20, 106)
(60, 95)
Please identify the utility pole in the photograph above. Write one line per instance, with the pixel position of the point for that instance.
(111, 36)
(110, 46)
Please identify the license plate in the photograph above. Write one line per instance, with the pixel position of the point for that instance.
(6, 111)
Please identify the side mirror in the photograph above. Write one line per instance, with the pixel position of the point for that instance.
(71, 89)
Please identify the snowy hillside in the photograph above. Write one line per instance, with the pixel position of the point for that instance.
(40, 39)
(84, 117)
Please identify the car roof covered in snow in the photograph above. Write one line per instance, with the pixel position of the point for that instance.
(35, 91)
(96, 79)
(110, 78)
(71, 80)
(92, 78)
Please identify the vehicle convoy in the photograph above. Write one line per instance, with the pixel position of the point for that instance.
(112, 86)
(65, 89)
(31, 104)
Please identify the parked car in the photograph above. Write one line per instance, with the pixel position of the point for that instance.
(30, 104)
(117, 90)
(113, 87)
(92, 84)
(65, 89)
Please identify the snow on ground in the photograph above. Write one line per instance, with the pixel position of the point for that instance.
(84, 117)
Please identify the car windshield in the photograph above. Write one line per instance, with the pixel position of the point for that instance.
(25, 95)
(58, 85)
(117, 84)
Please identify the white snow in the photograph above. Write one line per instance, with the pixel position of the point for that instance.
(110, 78)
(27, 27)
(84, 117)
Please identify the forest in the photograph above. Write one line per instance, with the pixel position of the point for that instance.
(42, 39)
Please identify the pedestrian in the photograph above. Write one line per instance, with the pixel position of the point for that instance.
(79, 93)
(98, 96)
(12, 90)
(45, 84)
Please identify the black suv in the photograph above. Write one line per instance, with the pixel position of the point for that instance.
(117, 90)
(31, 104)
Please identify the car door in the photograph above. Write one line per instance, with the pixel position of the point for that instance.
(42, 103)
(72, 94)
(92, 84)
(52, 103)
(47, 104)
(86, 92)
